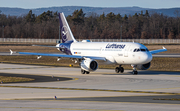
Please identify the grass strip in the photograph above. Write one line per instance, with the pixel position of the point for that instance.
(8, 79)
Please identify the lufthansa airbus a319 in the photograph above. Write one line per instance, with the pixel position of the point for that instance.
(87, 53)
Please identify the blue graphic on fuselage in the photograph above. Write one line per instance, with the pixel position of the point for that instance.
(115, 46)
(65, 47)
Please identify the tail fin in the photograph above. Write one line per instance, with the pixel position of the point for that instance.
(66, 33)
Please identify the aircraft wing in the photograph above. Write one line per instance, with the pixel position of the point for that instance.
(95, 58)
(158, 51)
(49, 54)
(60, 55)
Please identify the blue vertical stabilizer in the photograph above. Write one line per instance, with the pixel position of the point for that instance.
(66, 33)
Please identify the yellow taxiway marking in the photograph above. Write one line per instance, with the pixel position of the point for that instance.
(59, 108)
(160, 88)
(130, 91)
(93, 101)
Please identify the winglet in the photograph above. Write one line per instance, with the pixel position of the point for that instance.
(158, 51)
(11, 52)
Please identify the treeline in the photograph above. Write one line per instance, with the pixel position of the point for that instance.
(92, 26)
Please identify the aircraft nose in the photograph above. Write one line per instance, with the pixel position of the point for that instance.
(148, 57)
(145, 58)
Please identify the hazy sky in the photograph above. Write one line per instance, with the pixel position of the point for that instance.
(29, 4)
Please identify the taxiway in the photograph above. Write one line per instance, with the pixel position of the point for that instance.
(101, 90)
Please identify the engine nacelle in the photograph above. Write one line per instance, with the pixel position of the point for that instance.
(89, 65)
(144, 66)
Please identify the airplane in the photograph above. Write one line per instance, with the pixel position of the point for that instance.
(88, 53)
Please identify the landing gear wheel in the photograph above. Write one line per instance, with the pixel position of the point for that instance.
(117, 69)
(87, 72)
(83, 71)
(135, 72)
(121, 69)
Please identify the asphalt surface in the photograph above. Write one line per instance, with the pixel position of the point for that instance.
(37, 78)
(168, 99)
(166, 55)
(101, 90)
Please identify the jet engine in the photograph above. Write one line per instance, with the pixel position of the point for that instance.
(144, 66)
(89, 65)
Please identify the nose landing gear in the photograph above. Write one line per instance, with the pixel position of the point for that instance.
(135, 72)
(119, 69)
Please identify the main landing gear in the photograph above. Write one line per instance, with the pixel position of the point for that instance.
(135, 72)
(84, 72)
(119, 69)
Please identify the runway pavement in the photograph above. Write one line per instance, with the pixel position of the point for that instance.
(101, 90)
(176, 55)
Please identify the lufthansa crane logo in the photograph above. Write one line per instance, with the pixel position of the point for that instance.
(64, 33)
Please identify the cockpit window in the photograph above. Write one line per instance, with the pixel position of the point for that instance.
(142, 50)
(147, 50)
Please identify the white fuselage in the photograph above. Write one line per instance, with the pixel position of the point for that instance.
(114, 52)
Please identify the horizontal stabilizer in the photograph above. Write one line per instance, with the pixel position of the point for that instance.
(49, 46)
(46, 46)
